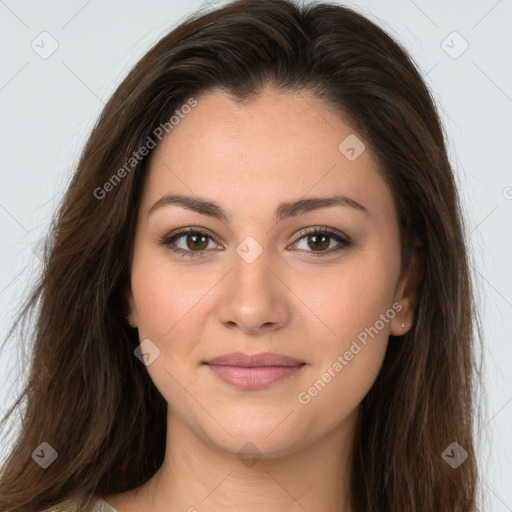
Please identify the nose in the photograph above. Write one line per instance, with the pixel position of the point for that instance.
(253, 297)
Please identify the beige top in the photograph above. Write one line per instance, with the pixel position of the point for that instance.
(69, 506)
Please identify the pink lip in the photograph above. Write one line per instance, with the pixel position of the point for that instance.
(255, 371)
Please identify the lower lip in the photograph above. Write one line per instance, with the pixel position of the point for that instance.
(256, 377)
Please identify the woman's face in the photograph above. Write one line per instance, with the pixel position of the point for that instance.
(258, 280)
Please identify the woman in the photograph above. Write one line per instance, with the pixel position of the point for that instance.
(256, 294)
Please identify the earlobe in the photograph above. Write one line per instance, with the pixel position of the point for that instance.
(403, 320)
(131, 313)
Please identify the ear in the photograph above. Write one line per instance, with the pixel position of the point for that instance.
(407, 294)
(131, 311)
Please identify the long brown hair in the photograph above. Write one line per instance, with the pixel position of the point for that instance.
(91, 399)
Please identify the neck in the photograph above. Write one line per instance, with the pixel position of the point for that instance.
(197, 476)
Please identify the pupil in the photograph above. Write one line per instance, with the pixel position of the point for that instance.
(322, 244)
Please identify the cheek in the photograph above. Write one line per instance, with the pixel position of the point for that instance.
(170, 312)
(166, 297)
(350, 299)
(356, 310)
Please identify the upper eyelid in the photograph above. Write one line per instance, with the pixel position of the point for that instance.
(178, 233)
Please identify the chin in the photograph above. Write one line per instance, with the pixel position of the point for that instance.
(267, 438)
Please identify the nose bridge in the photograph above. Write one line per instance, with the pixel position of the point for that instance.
(254, 297)
(251, 273)
(251, 269)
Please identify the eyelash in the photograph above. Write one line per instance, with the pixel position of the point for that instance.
(343, 240)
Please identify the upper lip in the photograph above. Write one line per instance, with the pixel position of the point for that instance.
(250, 360)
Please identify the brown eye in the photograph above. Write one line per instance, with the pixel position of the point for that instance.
(189, 242)
(197, 241)
(322, 241)
(318, 242)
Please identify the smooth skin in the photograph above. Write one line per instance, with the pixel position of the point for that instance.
(300, 297)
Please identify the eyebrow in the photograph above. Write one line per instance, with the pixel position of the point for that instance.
(282, 212)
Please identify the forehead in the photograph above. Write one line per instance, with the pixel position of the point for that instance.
(280, 146)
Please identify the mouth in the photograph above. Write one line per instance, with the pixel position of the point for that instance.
(253, 371)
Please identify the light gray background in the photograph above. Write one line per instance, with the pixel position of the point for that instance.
(49, 105)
